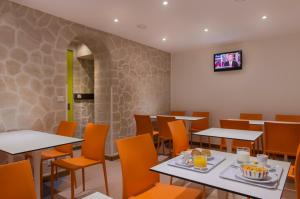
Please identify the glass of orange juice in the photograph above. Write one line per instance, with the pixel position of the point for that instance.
(200, 161)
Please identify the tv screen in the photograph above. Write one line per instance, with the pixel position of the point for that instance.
(228, 61)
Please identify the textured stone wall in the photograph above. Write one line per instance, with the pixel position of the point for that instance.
(129, 77)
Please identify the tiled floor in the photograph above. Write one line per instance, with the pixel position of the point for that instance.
(95, 182)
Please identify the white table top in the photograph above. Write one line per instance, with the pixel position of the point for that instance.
(16, 142)
(230, 134)
(97, 195)
(187, 118)
(262, 122)
(212, 178)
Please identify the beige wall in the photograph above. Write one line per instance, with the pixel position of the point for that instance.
(268, 84)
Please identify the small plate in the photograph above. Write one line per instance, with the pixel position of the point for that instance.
(180, 163)
(272, 178)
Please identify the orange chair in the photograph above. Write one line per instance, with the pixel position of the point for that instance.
(177, 113)
(164, 131)
(200, 125)
(144, 125)
(281, 138)
(92, 153)
(137, 156)
(294, 172)
(288, 118)
(251, 116)
(179, 137)
(16, 181)
(65, 129)
(239, 125)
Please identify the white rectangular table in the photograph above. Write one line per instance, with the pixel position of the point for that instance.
(262, 122)
(28, 141)
(186, 118)
(213, 178)
(230, 134)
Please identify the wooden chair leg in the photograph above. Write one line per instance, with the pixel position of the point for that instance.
(52, 180)
(105, 177)
(72, 183)
(41, 178)
(171, 180)
(83, 179)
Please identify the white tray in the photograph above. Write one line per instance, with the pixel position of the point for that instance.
(232, 171)
(210, 164)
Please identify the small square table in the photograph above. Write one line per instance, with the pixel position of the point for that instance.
(28, 141)
(230, 134)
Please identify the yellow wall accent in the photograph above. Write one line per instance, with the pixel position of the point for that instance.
(70, 84)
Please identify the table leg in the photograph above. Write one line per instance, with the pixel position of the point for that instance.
(229, 145)
(36, 158)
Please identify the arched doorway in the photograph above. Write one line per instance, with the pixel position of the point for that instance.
(80, 85)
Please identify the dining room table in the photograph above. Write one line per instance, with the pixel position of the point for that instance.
(187, 119)
(32, 142)
(225, 176)
(230, 134)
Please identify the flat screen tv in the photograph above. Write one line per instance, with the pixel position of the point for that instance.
(228, 61)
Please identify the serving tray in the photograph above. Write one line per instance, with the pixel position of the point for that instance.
(211, 163)
(233, 173)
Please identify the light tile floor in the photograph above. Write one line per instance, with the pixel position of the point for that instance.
(95, 182)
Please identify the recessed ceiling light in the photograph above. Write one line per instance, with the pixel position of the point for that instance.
(264, 17)
(164, 39)
(165, 3)
(205, 30)
(116, 20)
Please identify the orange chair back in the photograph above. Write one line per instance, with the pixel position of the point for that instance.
(163, 127)
(238, 125)
(66, 129)
(93, 146)
(137, 156)
(297, 172)
(179, 137)
(288, 118)
(177, 113)
(143, 124)
(16, 180)
(281, 138)
(200, 124)
(251, 116)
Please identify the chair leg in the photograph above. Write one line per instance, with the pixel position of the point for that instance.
(52, 180)
(83, 179)
(105, 177)
(72, 183)
(158, 145)
(41, 178)
(171, 180)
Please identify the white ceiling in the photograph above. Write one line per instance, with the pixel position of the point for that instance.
(181, 21)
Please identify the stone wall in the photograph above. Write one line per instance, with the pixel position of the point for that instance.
(129, 77)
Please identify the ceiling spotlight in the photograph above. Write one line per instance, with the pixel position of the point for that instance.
(116, 20)
(264, 17)
(165, 3)
(205, 30)
(164, 39)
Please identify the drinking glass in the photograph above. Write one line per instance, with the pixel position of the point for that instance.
(243, 154)
(200, 161)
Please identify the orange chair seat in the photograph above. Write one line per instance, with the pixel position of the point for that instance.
(52, 153)
(194, 130)
(169, 192)
(291, 173)
(155, 133)
(75, 163)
